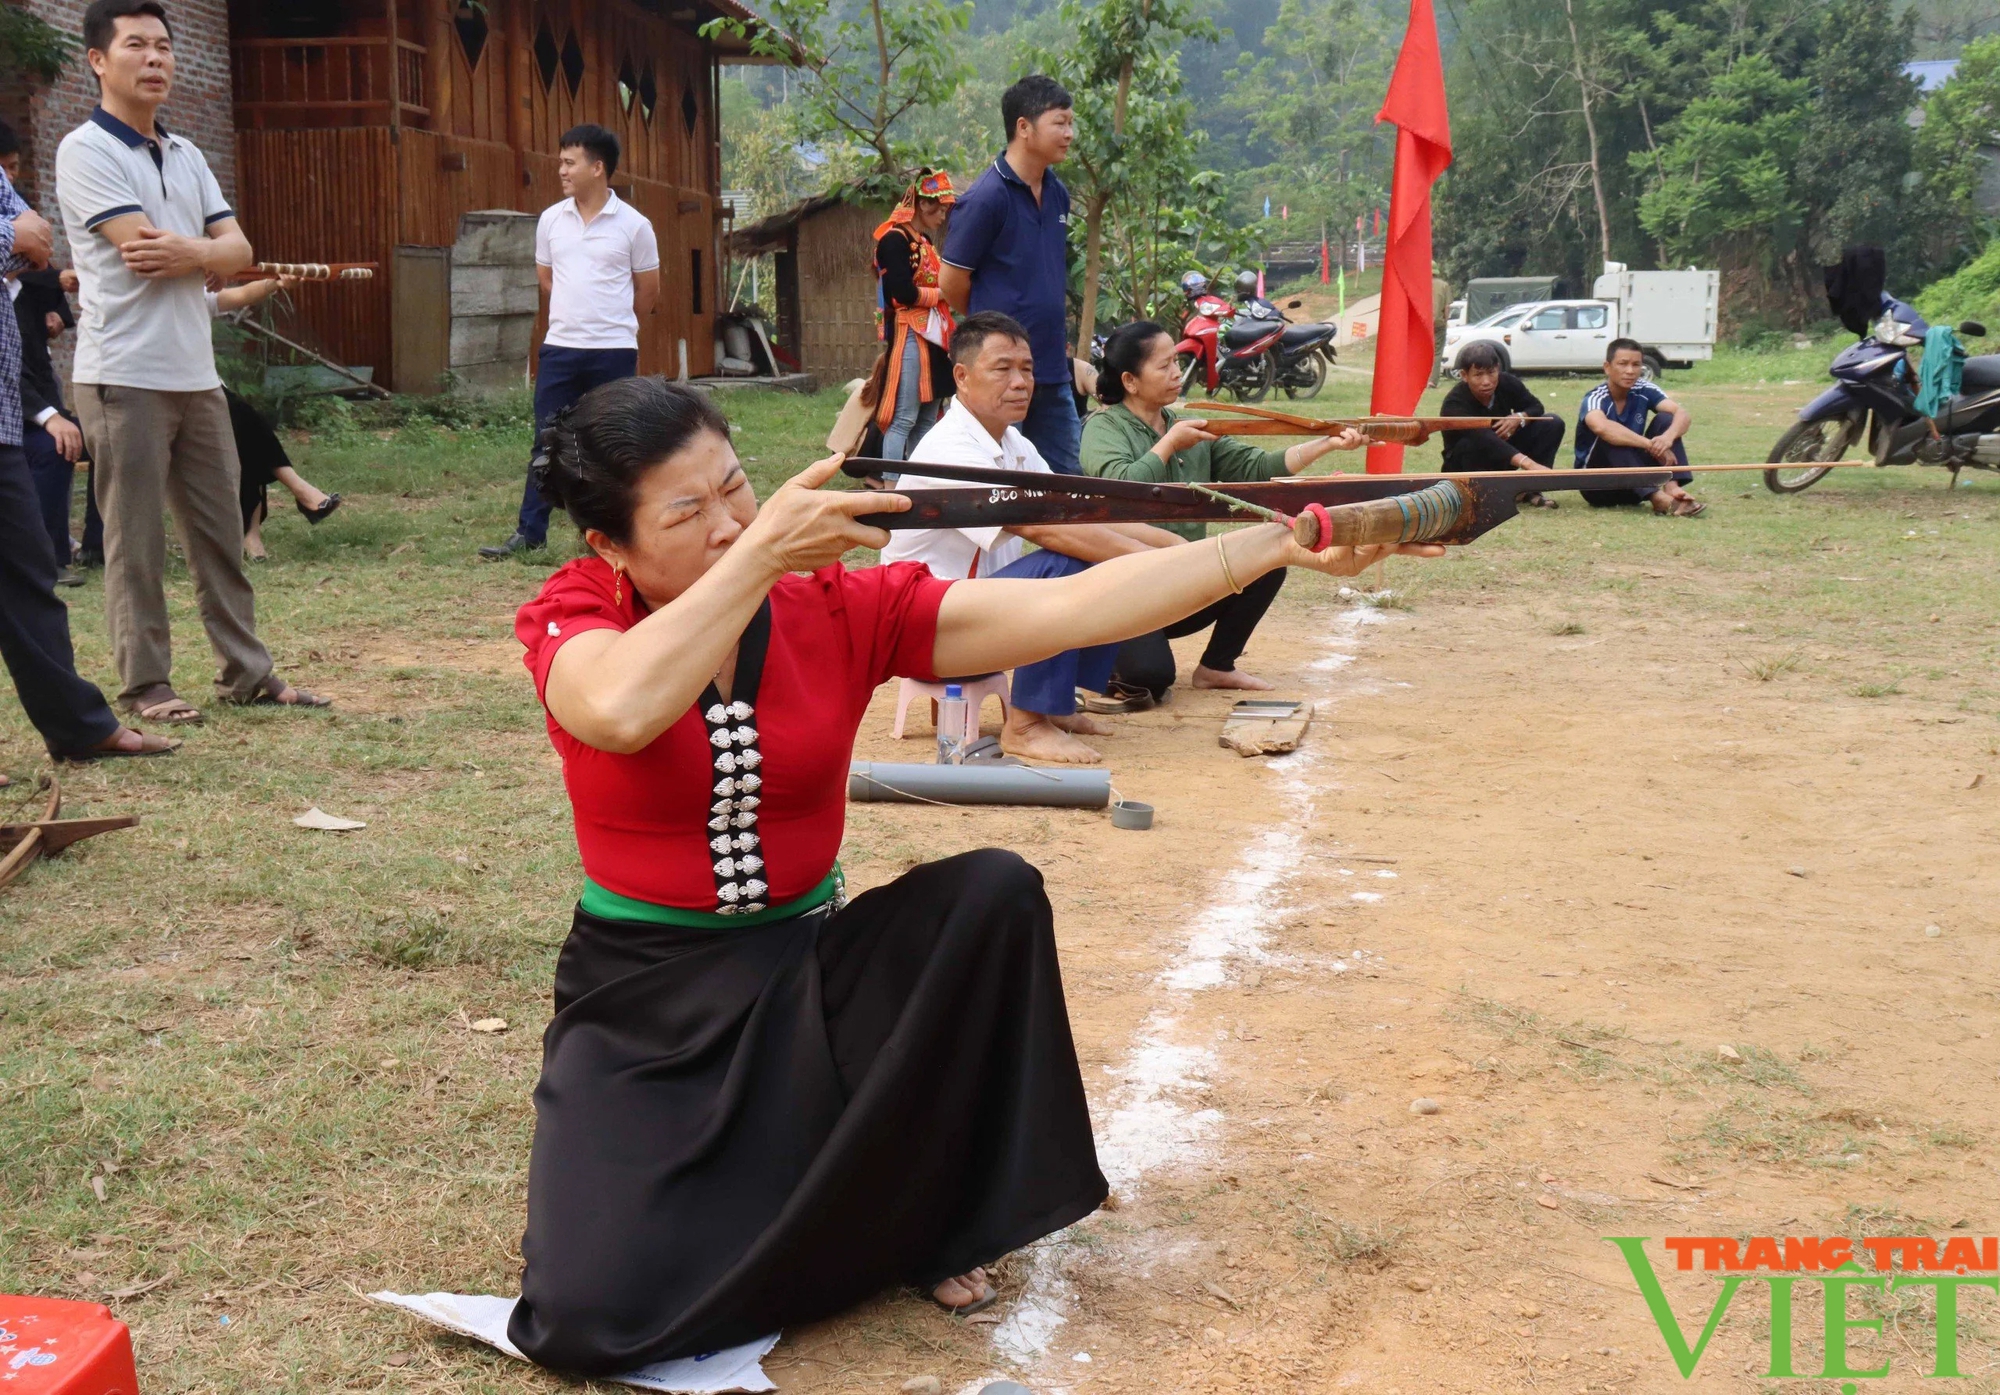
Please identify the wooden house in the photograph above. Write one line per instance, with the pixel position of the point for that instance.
(366, 128)
(823, 259)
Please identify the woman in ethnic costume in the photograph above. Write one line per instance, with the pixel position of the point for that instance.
(761, 1102)
(916, 328)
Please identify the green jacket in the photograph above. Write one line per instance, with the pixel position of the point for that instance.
(1117, 445)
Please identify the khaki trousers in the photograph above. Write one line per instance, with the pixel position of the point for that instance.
(156, 451)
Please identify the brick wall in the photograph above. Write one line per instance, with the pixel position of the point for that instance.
(200, 108)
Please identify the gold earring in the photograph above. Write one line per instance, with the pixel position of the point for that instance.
(618, 586)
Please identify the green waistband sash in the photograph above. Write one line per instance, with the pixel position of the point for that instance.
(609, 905)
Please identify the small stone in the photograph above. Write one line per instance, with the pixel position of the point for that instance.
(1547, 1177)
(1550, 1202)
(923, 1385)
(1728, 1052)
(1213, 1336)
(1253, 980)
(490, 1026)
(1425, 1106)
(1796, 871)
(1933, 931)
(1417, 1283)
(1530, 1310)
(400, 1358)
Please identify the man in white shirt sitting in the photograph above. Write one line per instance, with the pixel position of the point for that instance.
(995, 373)
(599, 264)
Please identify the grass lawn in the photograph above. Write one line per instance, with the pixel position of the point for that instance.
(255, 1040)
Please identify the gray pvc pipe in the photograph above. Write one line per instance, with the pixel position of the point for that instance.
(883, 782)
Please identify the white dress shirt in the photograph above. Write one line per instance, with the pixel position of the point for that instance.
(593, 265)
(957, 553)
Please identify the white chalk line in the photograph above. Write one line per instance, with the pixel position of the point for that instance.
(1148, 1125)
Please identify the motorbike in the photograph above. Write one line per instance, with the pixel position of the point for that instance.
(1874, 400)
(1304, 353)
(1221, 352)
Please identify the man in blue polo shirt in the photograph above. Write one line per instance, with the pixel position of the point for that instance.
(1008, 250)
(1625, 423)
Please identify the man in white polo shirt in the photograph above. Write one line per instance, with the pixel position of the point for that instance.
(147, 226)
(994, 370)
(599, 264)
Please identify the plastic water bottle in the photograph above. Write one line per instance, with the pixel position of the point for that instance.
(953, 717)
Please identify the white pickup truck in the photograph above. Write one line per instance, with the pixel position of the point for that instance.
(1671, 313)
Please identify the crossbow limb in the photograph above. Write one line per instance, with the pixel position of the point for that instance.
(1322, 510)
(1262, 421)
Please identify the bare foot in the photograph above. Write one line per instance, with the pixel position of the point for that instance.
(965, 1291)
(1078, 724)
(1205, 677)
(1033, 737)
(253, 546)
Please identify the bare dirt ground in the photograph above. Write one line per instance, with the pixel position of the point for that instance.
(1537, 873)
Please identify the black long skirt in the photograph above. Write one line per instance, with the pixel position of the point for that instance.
(745, 1129)
(258, 451)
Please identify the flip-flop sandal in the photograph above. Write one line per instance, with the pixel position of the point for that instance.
(978, 1305)
(85, 757)
(268, 695)
(1689, 508)
(164, 707)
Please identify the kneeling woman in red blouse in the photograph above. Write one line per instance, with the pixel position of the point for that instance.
(761, 1102)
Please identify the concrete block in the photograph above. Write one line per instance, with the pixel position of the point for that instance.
(517, 336)
(497, 237)
(487, 379)
(474, 340)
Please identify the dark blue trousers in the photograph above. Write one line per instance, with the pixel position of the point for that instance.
(1603, 457)
(1054, 429)
(55, 485)
(563, 376)
(1049, 687)
(70, 713)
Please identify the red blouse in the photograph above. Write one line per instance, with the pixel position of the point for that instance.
(648, 824)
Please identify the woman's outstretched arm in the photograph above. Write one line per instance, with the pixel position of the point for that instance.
(989, 624)
(617, 691)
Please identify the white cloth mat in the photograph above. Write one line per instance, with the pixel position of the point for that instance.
(484, 1317)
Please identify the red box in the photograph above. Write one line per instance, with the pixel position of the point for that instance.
(50, 1346)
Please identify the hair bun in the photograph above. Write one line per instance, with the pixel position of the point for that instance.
(555, 461)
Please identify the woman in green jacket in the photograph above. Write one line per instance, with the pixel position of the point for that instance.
(1137, 436)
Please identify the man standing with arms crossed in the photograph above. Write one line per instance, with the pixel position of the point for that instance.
(72, 716)
(599, 265)
(1007, 250)
(148, 227)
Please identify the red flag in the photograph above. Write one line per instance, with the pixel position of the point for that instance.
(1404, 345)
(1325, 263)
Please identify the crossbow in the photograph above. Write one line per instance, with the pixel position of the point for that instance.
(1322, 510)
(1262, 421)
(311, 271)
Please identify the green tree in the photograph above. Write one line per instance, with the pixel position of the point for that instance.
(1721, 186)
(1138, 145)
(866, 67)
(1311, 100)
(31, 45)
(1961, 125)
(1854, 172)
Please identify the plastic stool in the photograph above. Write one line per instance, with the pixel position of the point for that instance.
(975, 690)
(50, 1346)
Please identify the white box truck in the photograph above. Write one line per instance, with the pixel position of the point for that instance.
(1670, 313)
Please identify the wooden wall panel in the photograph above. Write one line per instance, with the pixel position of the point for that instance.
(326, 196)
(836, 277)
(441, 177)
